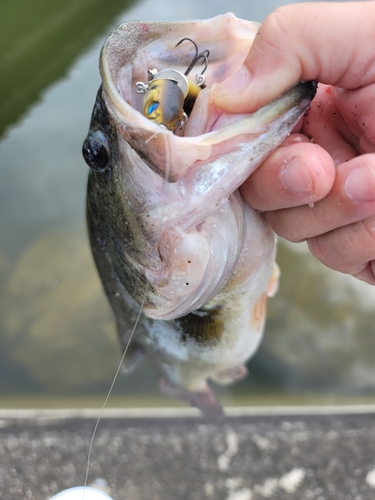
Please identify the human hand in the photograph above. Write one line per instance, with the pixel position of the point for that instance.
(320, 190)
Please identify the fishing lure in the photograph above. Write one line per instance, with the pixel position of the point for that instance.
(169, 96)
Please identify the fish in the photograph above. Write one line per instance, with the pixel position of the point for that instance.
(179, 252)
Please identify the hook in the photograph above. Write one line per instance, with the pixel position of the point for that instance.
(203, 55)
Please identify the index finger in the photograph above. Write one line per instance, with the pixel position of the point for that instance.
(329, 42)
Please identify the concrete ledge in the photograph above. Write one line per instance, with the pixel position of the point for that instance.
(235, 411)
(173, 454)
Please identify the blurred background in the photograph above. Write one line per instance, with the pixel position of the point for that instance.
(58, 344)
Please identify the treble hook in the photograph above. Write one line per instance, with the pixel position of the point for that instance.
(203, 55)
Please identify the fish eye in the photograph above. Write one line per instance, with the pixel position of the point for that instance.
(96, 151)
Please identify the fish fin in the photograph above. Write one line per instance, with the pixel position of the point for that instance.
(203, 398)
(230, 375)
(259, 312)
(273, 284)
(133, 356)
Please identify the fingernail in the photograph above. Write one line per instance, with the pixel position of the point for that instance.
(235, 83)
(360, 184)
(296, 178)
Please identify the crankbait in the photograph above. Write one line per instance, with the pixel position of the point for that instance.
(169, 96)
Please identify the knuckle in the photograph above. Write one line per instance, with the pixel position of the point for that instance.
(367, 274)
(283, 226)
(324, 249)
(320, 215)
(372, 271)
(274, 29)
(369, 227)
(347, 249)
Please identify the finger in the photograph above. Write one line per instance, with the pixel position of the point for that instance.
(351, 199)
(349, 249)
(325, 125)
(297, 173)
(328, 42)
(367, 274)
(358, 109)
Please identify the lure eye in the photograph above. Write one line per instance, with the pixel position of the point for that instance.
(96, 151)
(152, 107)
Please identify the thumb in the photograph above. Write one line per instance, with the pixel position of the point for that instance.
(329, 42)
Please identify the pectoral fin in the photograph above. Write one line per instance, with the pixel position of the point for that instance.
(273, 284)
(134, 354)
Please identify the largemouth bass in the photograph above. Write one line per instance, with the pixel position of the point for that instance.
(168, 227)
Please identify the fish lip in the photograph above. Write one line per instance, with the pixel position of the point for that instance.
(311, 87)
(268, 114)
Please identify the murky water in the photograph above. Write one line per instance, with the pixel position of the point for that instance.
(57, 337)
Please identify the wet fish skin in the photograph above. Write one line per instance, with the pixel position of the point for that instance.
(168, 228)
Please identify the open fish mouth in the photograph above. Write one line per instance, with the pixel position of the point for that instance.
(135, 48)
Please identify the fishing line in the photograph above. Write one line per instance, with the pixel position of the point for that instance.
(167, 162)
(111, 388)
(152, 137)
(167, 158)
